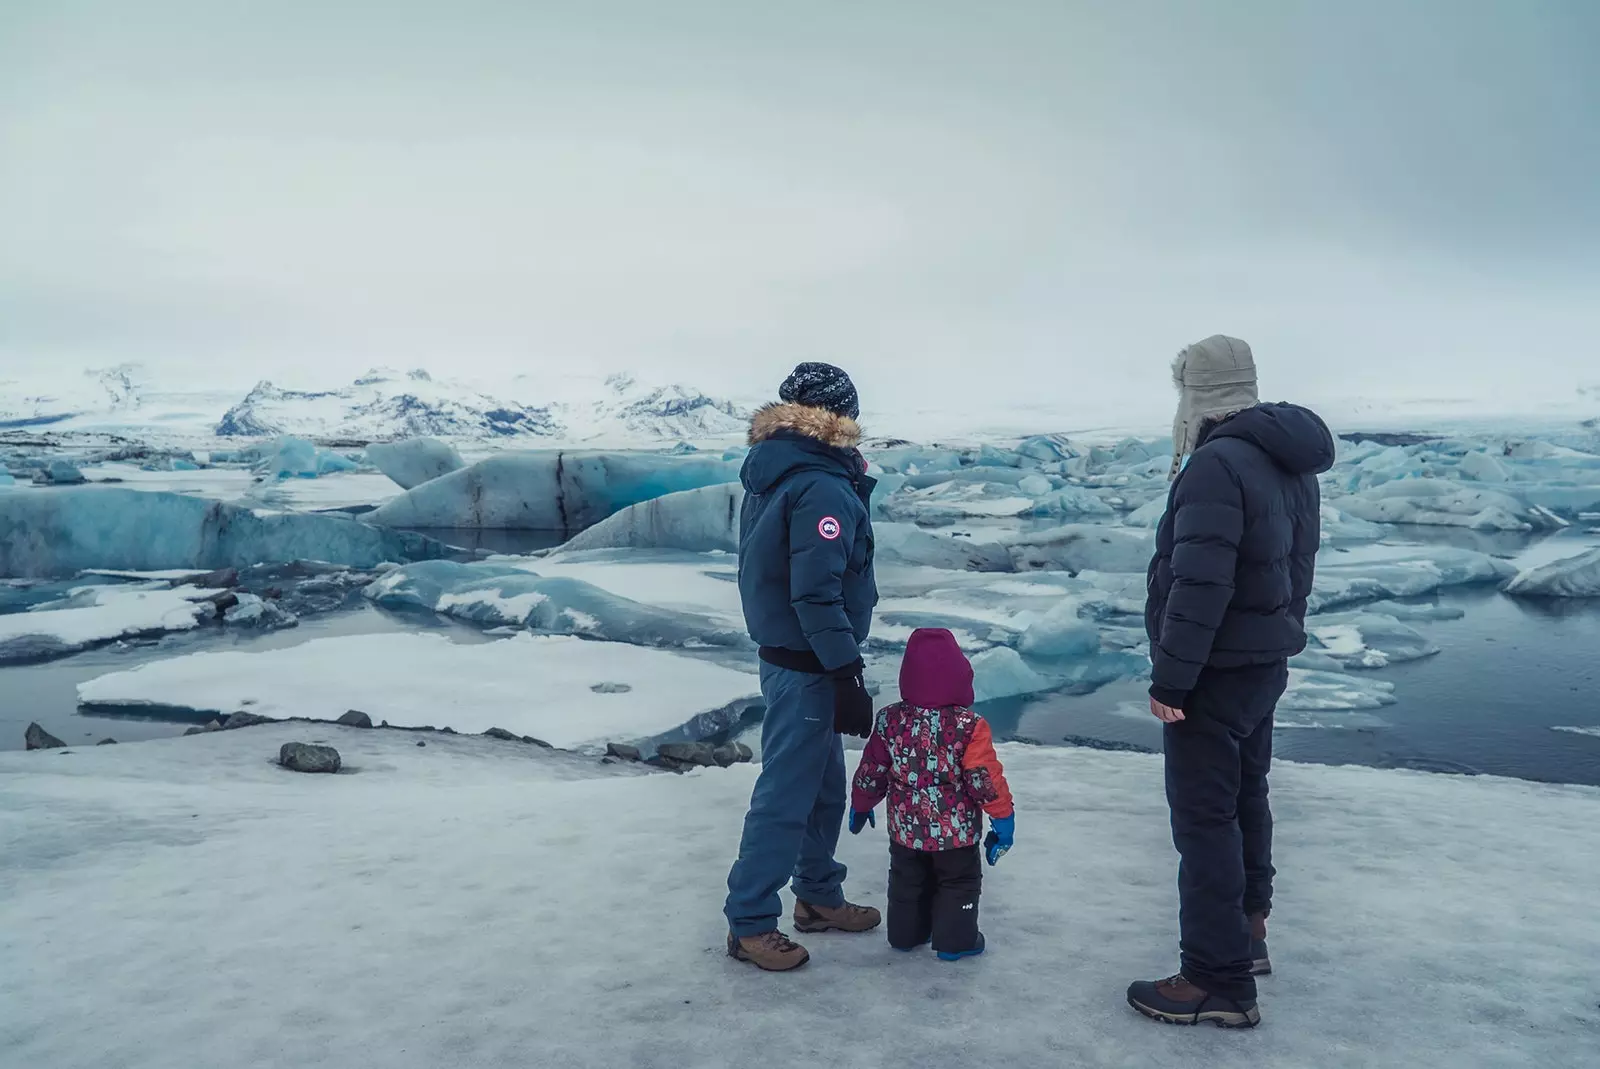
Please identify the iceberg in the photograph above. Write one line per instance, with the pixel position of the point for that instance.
(549, 491)
(94, 615)
(499, 595)
(1403, 573)
(1002, 673)
(956, 500)
(539, 686)
(1321, 692)
(59, 471)
(414, 461)
(296, 458)
(1368, 640)
(700, 521)
(1060, 635)
(1572, 577)
(76, 529)
(1084, 547)
(1440, 503)
(904, 543)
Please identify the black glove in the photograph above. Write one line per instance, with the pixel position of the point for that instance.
(852, 705)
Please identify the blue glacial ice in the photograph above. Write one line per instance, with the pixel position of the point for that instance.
(549, 491)
(499, 595)
(1572, 577)
(1442, 503)
(1060, 635)
(701, 521)
(65, 532)
(1312, 691)
(1401, 572)
(1082, 547)
(1002, 673)
(296, 458)
(1367, 639)
(905, 543)
(414, 461)
(59, 471)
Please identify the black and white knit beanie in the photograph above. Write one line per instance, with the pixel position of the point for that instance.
(821, 386)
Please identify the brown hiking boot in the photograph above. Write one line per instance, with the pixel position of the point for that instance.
(1177, 1001)
(847, 918)
(769, 951)
(1260, 961)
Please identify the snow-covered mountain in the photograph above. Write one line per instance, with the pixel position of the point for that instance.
(381, 405)
(384, 404)
(103, 391)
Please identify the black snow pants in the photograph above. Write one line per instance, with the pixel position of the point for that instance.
(934, 895)
(1217, 760)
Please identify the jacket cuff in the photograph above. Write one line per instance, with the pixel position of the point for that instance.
(1168, 696)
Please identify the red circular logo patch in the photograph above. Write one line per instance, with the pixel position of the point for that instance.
(828, 528)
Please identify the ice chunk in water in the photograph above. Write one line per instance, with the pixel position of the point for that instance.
(1481, 467)
(1437, 503)
(1084, 547)
(1060, 635)
(296, 458)
(415, 461)
(906, 544)
(6, 478)
(1149, 514)
(1402, 573)
(1002, 673)
(1368, 640)
(549, 491)
(92, 615)
(957, 500)
(1573, 577)
(1335, 691)
(59, 471)
(495, 595)
(66, 532)
(700, 521)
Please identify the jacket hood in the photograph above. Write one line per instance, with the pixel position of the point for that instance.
(786, 438)
(1215, 378)
(935, 673)
(1296, 438)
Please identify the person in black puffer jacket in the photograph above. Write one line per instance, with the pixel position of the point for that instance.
(1227, 592)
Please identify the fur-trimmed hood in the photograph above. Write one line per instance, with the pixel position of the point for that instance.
(829, 428)
(788, 438)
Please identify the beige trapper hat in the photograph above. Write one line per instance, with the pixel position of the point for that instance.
(1215, 378)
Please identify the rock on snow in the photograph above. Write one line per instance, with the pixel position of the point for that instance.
(528, 685)
(1391, 936)
(308, 757)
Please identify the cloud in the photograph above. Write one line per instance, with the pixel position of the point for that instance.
(1047, 200)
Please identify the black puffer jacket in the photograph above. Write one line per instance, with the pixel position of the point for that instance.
(1236, 551)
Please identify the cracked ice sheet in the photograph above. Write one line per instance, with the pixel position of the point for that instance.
(110, 613)
(396, 886)
(529, 685)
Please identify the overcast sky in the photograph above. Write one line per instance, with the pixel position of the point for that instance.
(952, 200)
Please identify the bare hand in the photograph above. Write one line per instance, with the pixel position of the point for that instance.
(1165, 713)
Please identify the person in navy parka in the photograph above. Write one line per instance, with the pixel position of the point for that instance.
(807, 587)
(1227, 591)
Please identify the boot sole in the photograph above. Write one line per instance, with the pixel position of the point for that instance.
(740, 955)
(1220, 1018)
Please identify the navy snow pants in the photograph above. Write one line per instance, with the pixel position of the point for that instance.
(797, 808)
(1217, 760)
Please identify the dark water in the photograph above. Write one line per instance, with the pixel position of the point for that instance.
(1508, 673)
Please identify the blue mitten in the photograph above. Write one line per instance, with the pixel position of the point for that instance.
(859, 820)
(998, 841)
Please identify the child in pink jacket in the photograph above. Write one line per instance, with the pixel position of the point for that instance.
(933, 757)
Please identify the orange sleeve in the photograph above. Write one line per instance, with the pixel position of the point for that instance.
(985, 779)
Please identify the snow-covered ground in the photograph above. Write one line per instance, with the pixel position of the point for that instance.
(566, 691)
(470, 903)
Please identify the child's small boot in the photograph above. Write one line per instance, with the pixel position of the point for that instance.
(957, 955)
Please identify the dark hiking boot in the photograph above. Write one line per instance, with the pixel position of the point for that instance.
(769, 951)
(1177, 1001)
(957, 955)
(1260, 960)
(847, 918)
